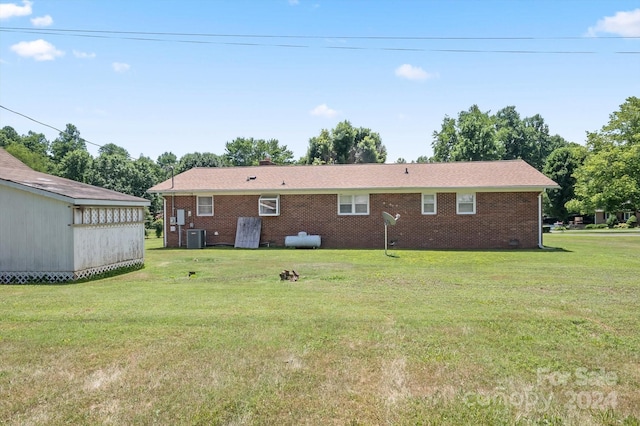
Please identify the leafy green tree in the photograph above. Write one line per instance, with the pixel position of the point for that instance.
(250, 151)
(37, 162)
(608, 179)
(30, 149)
(472, 137)
(445, 140)
(36, 143)
(113, 149)
(166, 160)
(113, 172)
(8, 135)
(67, 141)
(476, 137)
(624, 125)
(510, 132)
(560, 166)
(197, 159)
(76, 165)
(346, 144)
(320, 149)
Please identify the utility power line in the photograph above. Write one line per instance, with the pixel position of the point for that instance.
(206, 38)
(46, 125)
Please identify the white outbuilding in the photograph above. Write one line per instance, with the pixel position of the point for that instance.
(56, 230)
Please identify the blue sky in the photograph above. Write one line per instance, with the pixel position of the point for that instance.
(396, 67)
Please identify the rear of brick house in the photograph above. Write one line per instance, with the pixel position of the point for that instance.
(463, 205)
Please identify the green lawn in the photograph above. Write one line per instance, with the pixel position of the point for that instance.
(423, 337)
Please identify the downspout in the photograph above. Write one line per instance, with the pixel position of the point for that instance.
(540, 245)
(166, 225)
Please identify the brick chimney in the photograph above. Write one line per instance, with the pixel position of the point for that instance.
(267, 162)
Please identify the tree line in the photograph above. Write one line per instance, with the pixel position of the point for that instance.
(604, 174)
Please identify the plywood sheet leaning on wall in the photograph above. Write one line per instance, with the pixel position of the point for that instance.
(248, 232)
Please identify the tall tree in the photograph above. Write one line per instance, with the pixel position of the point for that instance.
(250, 151)
(476, 137)
(30, 149)
(346, 144)
(67, 141)
(113, 149)
(560, 166)
(609, 178)
(510, 132)
(445, 140)
(37, 162)
(8, 135)
(76, 165)
(320, 149)
(197, 159)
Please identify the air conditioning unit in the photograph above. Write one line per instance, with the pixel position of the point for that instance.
(196, 238)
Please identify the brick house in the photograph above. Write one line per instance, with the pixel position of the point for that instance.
(462, 205)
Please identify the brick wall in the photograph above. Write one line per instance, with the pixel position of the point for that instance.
(502, 220)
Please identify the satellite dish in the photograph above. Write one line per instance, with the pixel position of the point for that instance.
(388, 219)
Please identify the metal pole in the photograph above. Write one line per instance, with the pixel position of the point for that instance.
(385, 238)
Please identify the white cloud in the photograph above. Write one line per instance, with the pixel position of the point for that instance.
(120, 67)
(40, 50)
(626, 24)
(413, 73)
(294, 2)
(9, 10)
(42, 21)
(83, 55)
(323, 111)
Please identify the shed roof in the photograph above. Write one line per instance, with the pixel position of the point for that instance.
(13, 171)
(509, 175)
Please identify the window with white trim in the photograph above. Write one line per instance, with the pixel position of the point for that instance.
(269, 205)
(626, 216)
(429, 204)
(466, 203)
(205, 206)
(353, 204)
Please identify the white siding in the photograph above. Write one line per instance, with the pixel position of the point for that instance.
(35, 233)
(103, 245)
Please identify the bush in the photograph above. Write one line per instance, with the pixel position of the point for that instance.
(621, 226)
(560, 228)
(612, 221)
(158, 225)
(596, 226)
(546, 229)
(632, 221)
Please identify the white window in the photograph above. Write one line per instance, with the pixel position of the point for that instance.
(205, 206)
(429, 204)
(353, 204)
(269, 205)
(626, 216)
(466, 203)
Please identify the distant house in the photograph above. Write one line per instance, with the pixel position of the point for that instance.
(463, 205)
(55, 230)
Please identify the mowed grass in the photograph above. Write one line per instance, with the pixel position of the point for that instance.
(423, 337)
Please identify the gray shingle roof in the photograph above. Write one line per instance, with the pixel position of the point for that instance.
(13, 170)
(479, 175)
